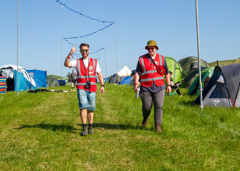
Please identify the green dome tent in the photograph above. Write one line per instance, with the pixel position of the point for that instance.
(190, 77)
(190, 63)
(175, 68)
(205, 75)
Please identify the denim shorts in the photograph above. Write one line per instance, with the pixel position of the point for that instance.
(86, 99)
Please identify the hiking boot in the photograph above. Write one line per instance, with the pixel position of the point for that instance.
(90, 130)
(84, 131)
(145, 121)
(158, 127)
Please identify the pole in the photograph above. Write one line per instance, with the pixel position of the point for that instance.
(61, 59)
(199, 62)
(116, 45)
(105, 61)
(17, 44)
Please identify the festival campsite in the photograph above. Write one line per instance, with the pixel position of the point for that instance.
(120, 85)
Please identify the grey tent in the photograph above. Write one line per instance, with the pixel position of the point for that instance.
(52, 82)
(223, 89)
(114, 79)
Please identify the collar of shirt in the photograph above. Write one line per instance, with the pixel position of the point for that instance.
(153, 57)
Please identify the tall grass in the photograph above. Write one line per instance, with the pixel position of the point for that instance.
(41, 131)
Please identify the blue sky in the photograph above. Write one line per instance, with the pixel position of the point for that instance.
(172, 23)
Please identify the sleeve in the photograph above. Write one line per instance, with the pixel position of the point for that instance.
(98, 69)
(165, 67)
(74, 63)
(138, 68)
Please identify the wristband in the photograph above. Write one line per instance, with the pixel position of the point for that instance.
(136, 83)
(103, 86)
(69, 57)
(169, 85)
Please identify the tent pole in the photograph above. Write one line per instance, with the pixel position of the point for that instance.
(17, 43)
(174, 72)
(61, 59)
(199, 62)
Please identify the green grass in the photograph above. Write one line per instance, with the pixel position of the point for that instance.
(41, 131)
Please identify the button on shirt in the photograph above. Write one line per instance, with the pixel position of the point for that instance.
(153, 88)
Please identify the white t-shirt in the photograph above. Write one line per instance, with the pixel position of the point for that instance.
(85, 61)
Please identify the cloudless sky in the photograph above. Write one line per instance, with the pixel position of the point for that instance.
(171, 23)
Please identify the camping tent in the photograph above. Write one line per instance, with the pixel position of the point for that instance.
(39, 76)
(124, 71)
(190, 77)
(126, 80)
(52, 81)
(205, 76)
(175, 68)
(114, 78)
(190, 63)
(225, 62)
(25, 82)
(223, 89)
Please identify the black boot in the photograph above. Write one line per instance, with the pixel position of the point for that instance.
(90, 130)
(158, 127)
(84, 131)
(145, 121)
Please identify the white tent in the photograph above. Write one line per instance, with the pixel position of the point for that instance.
(124, 71)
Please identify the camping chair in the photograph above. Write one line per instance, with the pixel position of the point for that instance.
(175, 89)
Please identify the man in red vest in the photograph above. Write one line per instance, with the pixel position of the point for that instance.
(87, 69)
(150, 70)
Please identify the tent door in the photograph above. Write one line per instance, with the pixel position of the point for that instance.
(237, 104)
(218, 96)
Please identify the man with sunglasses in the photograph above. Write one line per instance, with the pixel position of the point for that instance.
(150, 70)
(87, 69)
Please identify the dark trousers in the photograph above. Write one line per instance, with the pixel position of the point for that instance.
(155, 98)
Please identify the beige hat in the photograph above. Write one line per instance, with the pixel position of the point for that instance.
(152, 43)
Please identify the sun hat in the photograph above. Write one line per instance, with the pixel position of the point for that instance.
(152, 43)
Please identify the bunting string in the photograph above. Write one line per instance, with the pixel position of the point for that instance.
(86, 35)
(87, 16)
(84, 15)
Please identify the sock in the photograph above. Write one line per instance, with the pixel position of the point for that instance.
(90, 125)
(84, 125)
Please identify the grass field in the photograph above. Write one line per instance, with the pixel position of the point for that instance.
(41, 131)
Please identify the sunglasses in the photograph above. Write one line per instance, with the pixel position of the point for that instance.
(84, 50)
(150, 48)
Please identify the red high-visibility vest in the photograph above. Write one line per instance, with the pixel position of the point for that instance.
(82, 74)
(149, 71)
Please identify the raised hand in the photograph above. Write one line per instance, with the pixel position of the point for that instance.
(73, 50)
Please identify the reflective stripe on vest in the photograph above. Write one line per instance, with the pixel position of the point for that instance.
(151, 79)
(83, 84)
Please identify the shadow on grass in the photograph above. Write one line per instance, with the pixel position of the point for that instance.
(71, 129)
(52, 127)
(188, 103)
(114, 126)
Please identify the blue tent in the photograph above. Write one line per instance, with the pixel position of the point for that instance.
(39, 76)
(126, 80)
(24, 84)
(105, 79)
